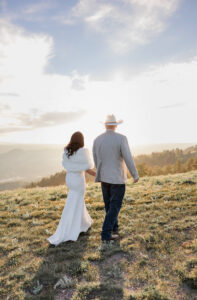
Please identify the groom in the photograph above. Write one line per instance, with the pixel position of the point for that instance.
(111, 151)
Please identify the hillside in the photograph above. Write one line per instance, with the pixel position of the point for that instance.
(157, 163)
(22, 163)
(155, 258)
(29, 163)
(55, 180)
(167, 157)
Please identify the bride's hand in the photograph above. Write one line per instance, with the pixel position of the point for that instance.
(91, 172)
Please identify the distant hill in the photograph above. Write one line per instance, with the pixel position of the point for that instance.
(55, 180)
(20, 164)
(30, 163)
(157, 163)
(167, 157)
(12, 184)
(148, 149)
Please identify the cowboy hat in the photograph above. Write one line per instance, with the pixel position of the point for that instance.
(111, 120)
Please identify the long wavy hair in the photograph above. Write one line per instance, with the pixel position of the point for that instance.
(76, 142)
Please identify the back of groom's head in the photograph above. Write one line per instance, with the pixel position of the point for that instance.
(112, 127)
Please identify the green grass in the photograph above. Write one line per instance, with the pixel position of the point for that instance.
(155, 258)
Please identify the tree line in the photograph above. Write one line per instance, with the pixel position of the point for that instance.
(156, 163)
(178, 167)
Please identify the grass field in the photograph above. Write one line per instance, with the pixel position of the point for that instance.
(155, 258)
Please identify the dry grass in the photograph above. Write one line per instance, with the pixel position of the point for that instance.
(155, 258)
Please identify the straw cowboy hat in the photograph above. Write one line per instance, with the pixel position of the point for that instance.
(111, 120)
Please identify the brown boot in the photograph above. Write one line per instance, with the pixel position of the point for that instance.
(113, 237)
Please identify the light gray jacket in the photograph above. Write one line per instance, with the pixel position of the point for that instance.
(111, 151)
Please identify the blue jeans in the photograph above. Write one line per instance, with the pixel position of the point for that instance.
(113, 195)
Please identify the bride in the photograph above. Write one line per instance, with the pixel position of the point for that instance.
(75, 217)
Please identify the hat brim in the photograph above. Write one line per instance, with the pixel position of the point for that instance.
(113, 123)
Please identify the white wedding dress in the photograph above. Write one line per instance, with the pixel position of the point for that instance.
(75, 217)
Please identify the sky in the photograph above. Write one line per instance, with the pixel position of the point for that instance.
(65, 65)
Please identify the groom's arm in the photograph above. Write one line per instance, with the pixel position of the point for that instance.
(94, 153)
(127, 156)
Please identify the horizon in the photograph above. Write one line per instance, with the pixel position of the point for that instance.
(65, 66)
(44, 160)
(140, 149)
(56, 144)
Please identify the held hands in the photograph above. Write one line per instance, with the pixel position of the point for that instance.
(91, 172)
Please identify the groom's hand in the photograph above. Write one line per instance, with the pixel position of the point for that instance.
(135, 180)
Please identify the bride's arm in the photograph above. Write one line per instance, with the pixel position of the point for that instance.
(91, 172)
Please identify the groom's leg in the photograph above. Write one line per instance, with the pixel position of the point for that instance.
(106, 194)
(117, 195)
(121, 195)
(106, 191)
(116, 226)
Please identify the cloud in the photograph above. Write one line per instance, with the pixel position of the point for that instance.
(11, 129)
(49, 119)
(28, 11)
(78, 82)
(175, 105)
(23, 60)
(9, 95)
(38, 7)
(22, 54)
(136, 99)
(30, 122)
(125, 24)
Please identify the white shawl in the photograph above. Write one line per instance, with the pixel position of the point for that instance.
(80, 161)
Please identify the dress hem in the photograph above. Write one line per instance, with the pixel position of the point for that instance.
(73, 240)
